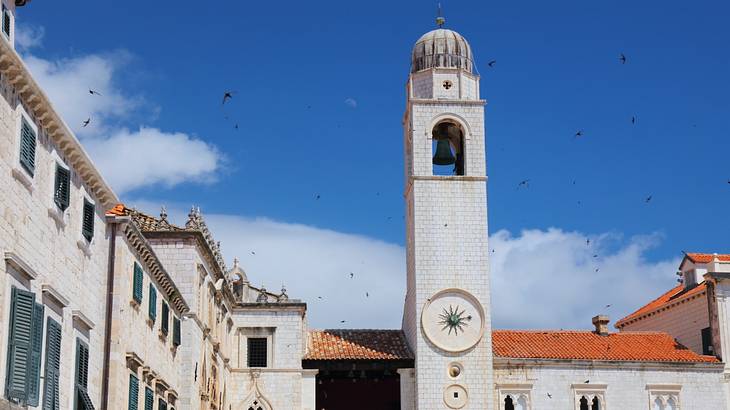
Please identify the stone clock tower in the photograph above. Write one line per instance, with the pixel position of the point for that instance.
(447, 308)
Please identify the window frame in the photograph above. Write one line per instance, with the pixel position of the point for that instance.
(590, 390)
(6, 13)
(515, 390)
(265, 345)
(60, 168)
(91, 207)
(664, 392)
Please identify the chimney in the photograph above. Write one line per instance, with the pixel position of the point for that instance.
(601, 324)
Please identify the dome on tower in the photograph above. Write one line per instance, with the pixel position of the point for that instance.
(441, 48)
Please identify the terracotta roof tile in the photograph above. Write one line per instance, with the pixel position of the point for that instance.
(664, 300)
(347, 344)
(584, 345)
(707, 257)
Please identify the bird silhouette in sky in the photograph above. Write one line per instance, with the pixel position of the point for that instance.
(648, 199)
(94, 92)
(227, 96)
(550, 396)
(608, 306)
(622, 58)
(492, 63)
(317, 196)
(85, 123)
(320, 297)
(367, 295)
(633, 119)
(343, 321)
(253, 252)
(352, 275)
(524, 183)
(588, 242)
(579, 133)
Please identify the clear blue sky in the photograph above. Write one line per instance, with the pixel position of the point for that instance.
(295, 63)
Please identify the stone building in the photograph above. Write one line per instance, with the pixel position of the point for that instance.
(106, 307)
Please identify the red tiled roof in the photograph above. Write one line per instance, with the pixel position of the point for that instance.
(347, 344)
(707, 257)
(584, 345)
(118, 210)
(664, 300)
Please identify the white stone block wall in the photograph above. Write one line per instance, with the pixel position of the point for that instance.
(132, 332)
(628, 386)
(50, 246)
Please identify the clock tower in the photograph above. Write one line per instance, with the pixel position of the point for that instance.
(447, 308)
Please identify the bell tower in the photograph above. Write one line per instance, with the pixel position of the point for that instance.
(447, 308)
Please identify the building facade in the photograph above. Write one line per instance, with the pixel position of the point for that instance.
(106, 307)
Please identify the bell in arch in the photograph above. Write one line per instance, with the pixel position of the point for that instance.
(443, 155)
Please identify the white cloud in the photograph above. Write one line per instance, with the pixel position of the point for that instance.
(127, 159)
(351, 102)
(149, 156)
(29, 36)
(67, 82)
(540, 279)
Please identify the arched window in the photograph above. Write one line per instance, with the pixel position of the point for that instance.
(257, 405)
(671, 404)
(583, 403)
(596, 404)
(448, 148)
(658, 405)
(508, 405)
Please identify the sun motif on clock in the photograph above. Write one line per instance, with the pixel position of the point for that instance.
(453, 320)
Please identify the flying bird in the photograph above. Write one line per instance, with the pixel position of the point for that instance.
(92, 92)
(367, 295)
(317, 196)
(597, 269)
(648, 199)
(608, 306)
(227, 96)
(253, 252)
(595, 256)
(492, 63)
(550, 396)
(352, 275)
(579, 133)
(525, 183)
(588, 242)
(633, 119)
(319, 297)
(343, 321)
(85, 123)
(622, 58)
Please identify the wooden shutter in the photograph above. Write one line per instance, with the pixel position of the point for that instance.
(83, 401)
(51, 399)
(19, 346)
(165, 326)
(153, 303)
(133, 392)
(34, 367)
(137, 283)
(149, 398)
(175, 331)
(161, 405)
(62, 187)
(87, 224)
(27, 147)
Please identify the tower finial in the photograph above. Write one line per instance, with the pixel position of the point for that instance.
(440, 20)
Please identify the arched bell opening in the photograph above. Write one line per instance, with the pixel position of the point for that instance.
(447, 148)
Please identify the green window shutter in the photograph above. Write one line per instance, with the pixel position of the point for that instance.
(175, 331)
(161, 405)
(149, 398)
(153, 303)
(62, 187)
(137, 283)
(133, 392)
(51, 399)
(27, 147)
(83, 401)
(165, 327)
(6, 21)
(34, 368)
(87, 223)
(19, 346)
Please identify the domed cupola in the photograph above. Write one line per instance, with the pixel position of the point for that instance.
(441, 48)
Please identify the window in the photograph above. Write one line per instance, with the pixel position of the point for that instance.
(7, 21)
(137, 283)
(27, 146)
(24, 348)
(590, 396)
(149, 398)
(51, 399)
(133, 392)
(707, 342)
(514, 396)
(165, 325)
(87, 223)
(515, 402)
(175, 332)
(153, 304)
(257, 351)
(664, 397)
(82, 399)
(62, 187)
(161, 405)
(595, 403)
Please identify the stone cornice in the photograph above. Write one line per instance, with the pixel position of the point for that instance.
(37, 102)
(154, 265)
(505, 362)
(430, 101)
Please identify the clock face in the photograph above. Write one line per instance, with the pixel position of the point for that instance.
(453, 320)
